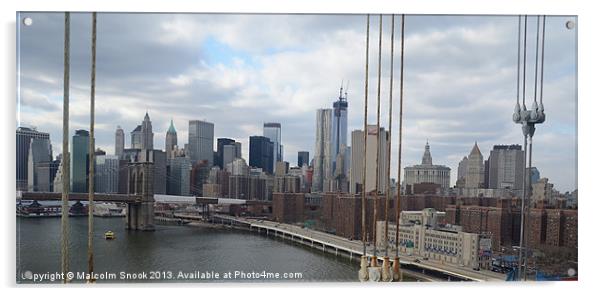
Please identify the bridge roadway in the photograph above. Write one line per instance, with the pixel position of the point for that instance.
(355, 247)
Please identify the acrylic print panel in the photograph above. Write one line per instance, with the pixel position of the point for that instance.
(232, 148)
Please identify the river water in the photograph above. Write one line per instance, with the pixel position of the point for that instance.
(171, 253)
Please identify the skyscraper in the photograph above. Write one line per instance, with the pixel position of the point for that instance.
(535, 176)
(506, 167)
(357, 160)
(475, 172)
(79, 161)
(323, 162)
(171, 139)
(142, 135)
(119, 141)
(261, 153)
(23, 141)
(106, 174)
(147, 133)
(302, 158)
(200, 141)
(273, 131)
(228, 154)
(221, 142)
(238, 147)
(45, 174)
(339, 125)
(462, 172)
(136, 138)
(178, 176)
(199, 173)
(39, 152)
(58, 177)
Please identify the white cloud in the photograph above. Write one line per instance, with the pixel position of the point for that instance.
(459, 84)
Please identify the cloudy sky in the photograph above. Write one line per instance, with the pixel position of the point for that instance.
(239, 71)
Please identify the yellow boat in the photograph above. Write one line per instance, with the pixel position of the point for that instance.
(109, 235)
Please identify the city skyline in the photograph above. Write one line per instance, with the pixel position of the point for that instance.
(210, 76)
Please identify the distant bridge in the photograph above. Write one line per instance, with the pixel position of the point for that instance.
(41, 196)
(140, 202)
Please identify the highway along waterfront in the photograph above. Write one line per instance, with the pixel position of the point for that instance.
(171, 254)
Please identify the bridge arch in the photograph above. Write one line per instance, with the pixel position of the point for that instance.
(141, 213)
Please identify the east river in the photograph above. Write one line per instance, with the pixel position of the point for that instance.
(170, 254)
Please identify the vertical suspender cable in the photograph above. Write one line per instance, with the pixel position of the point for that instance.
(543, 40)
(388, 189)
(524, 193)
(522, 213)
(524, 61)
(528, 170)
(536, 62)
(91, 152)
(398, 203)
(375, 203)
(365, 136)
(66, 156)
(530, 141)
(526, 256)
(518, 62)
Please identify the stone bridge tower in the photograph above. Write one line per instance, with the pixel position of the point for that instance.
(141, 214)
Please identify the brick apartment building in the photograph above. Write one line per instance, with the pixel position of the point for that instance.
(497, 217)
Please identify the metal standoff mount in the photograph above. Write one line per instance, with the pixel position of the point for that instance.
(363, 272)
(374, 272)
(397, 275)
(386, 270)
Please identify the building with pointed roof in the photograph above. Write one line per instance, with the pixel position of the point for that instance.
(147, 133)
(426, 173)
(171, 140)
(427, 159)
(475, 169)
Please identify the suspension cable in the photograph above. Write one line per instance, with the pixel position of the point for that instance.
(536, 62)
(522, 215)
(543, 40)
(364, 237)
(528, 207)
(524, 61)
(518, 62)
(375, 207)
(388, 189)
(91, 152)
(66, 156)
(398, 204)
